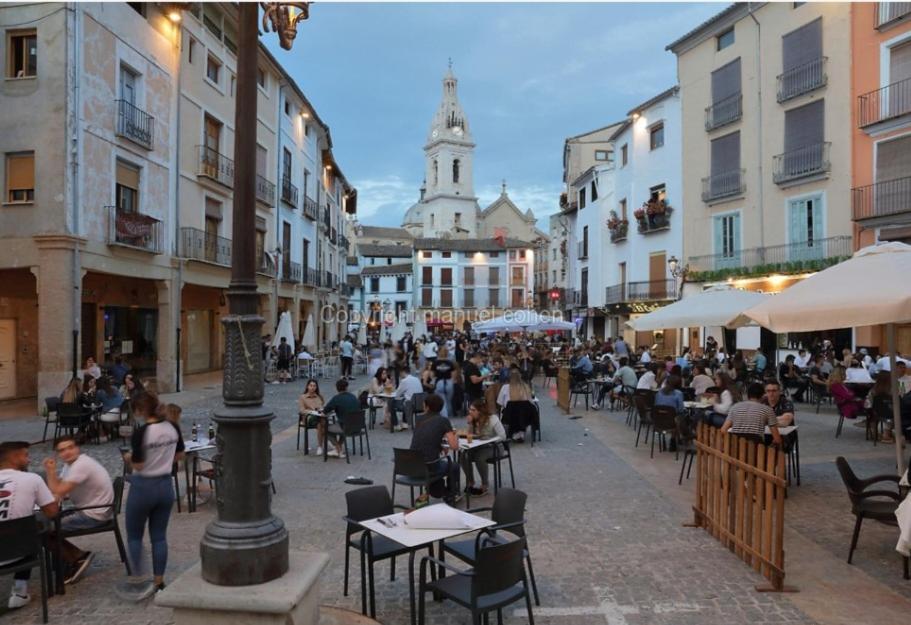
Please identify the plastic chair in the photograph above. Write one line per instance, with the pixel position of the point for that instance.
(644, 405)
(21, 548)
(410, 469)
(664, 421)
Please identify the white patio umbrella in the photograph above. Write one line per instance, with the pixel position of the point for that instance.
(722, 306)
(285, 329)
(309, 338)
(871, 288)
(523, 321)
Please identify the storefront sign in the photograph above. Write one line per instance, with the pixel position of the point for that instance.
(634, 308)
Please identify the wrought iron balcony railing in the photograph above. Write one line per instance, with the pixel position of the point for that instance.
(882, 199)
(265, 190)
(725, 184)
(289, 192)
(724, 112)
(802, 79)
(810, 160)
(311, 209)
(199, 245)
(639, 291)
(266, 265)
(215, 166)
(774, 256)
(291, 272)
(884, 104)
(333, 235)
(888, 12)
(135, 124)
(134, 230)
(310, 276)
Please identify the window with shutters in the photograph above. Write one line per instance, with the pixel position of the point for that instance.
(213, 69)
(624, 154)
(494, 276)
(581, 198)
(468, 276)
(727, 240)
(446, 276)
(446, 298)
(727, 98)
(427, 254)
(427, 298)
(445, 254)
(126, 190)
(20, 177)
(805, 228)
(726, 179)
(899, 90)
(805, 148)
(468, 298)
(656, 136)
(401, 284)
(22, 53)
(594, 191)
(518, 298)
(426, 275)
(493, 298)
(892, 191)
(374, 285)
(802, 63)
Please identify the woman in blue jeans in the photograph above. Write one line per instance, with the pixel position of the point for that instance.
(155, 447)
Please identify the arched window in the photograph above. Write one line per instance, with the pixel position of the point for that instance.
(436, 173)
(455, 171)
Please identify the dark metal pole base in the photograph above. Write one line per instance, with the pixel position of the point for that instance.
(235, 554)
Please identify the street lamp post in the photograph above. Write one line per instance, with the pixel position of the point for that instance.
(246, 544)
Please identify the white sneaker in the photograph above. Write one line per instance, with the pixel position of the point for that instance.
(342, 455)
(596, 406)
(18, 601)
(319, 451)
(332, 453)
(403, 426)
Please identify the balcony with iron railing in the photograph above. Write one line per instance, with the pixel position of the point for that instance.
(726, 184)
(890, 102)
(265, 190)
(802, 79)
(327, 220)
(197, 244)
(289, 192)
(887, 13)
(310, 276)
(215, 166)
(343, 242)
(640, 291)
(311, 209)
(882, 199)
(723, 112)
(133, 230)
(806, 161)
(266, 265)
(583, 250)
(802, 255)
(291, 272)
(135, 124)
(329, 280)
(333, 235)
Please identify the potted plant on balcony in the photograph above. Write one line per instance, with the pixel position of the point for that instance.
(618, 227)
(641, 218)
(657, 213)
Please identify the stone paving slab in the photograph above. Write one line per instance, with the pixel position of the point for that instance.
(607, 544)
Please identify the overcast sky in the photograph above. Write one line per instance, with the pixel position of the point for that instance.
(530, 75)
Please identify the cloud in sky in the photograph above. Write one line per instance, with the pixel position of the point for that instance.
(530, 75)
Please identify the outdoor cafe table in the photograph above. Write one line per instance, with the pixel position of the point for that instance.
(191, 450)
(415, 538)
(465, 447)
(385, 396)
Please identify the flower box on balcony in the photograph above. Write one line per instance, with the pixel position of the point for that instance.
(654, 216)
(618, 227)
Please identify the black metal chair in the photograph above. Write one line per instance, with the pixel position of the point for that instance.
(353, 424)
(644, 410)
(508, 512)
(876, 504)
(579, 388)
(74, 418)
(877, 416)
(664, 422)
(50, 405)
(21, 549)
(363, 504)
(497, 580)
(820, 393)
(633, 415)
(111, 525)
(518, 416)
(410, 469)
(417, 407)
(500, 453)
(550, 373)
(686, 442)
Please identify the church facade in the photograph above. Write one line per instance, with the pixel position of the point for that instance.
(464, 259)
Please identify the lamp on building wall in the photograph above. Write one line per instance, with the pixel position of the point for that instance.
(678, 272)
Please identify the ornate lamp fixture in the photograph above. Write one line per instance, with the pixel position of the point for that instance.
(282, 18)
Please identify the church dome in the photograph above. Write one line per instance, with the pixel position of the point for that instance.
(414, 216)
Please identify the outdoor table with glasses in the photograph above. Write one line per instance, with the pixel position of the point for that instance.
(191, 450)
(395, 527)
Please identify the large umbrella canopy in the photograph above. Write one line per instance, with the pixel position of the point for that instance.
(871, 288)
(285, 330)
(721, 306)
(523, 321)
(309, 338)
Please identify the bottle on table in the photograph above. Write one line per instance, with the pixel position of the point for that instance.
(195, 432)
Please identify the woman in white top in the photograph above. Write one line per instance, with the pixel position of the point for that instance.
(727, 396)
(155, 447)
(483, 425)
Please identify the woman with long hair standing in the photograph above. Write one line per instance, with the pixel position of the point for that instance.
(154, 448)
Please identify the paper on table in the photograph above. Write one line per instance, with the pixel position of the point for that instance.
(437, 517)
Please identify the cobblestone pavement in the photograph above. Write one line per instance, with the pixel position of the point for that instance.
(604, 523)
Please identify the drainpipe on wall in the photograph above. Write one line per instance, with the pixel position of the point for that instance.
(278, 205)
(72, 138)
(177, 296)
(760, 136)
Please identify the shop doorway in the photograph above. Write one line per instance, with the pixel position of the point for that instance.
(133, 334)
(199, 340)
(7, 358)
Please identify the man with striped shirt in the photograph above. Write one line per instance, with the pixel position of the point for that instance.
(750, 418)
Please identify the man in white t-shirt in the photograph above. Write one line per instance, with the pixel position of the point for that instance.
(87, 485)
(430, 351)
(20, 493)
(648, 381)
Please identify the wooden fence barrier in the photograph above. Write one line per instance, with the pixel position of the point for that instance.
(740, 496)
